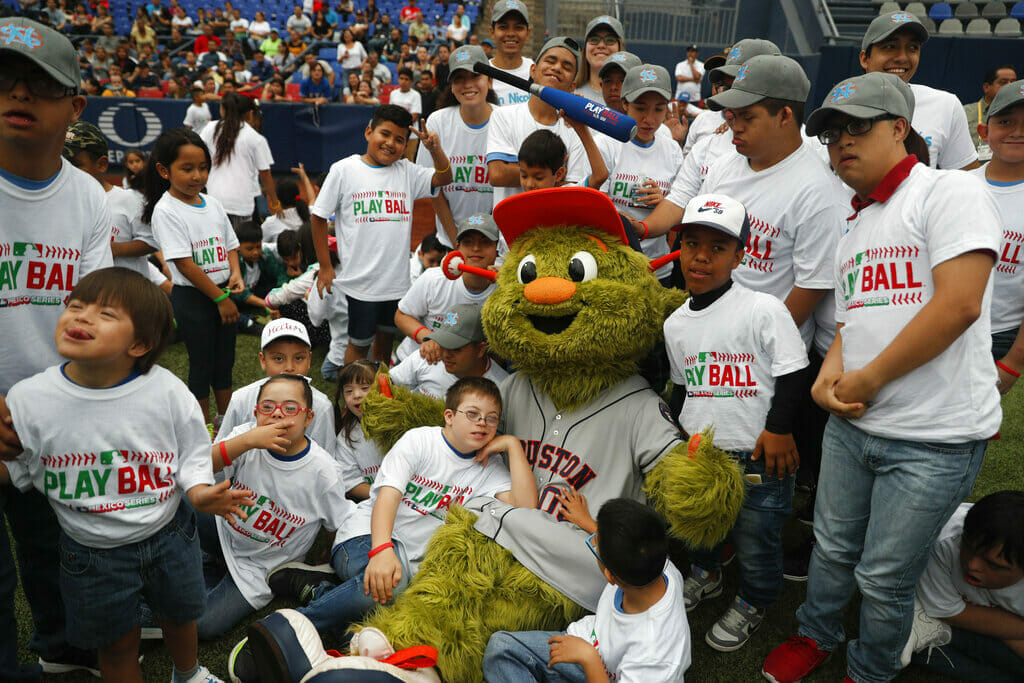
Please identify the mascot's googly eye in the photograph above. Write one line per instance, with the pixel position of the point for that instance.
(582, 266)
(528, 269)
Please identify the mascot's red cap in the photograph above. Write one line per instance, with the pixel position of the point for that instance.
(557, 206)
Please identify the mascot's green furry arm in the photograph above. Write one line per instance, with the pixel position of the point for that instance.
(575, 309)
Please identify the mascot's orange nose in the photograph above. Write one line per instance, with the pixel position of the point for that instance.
(549, 290)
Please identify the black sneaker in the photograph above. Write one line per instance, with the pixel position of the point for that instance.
(296, 580)
(71, 659)
(242, 665)
(796, 561)
(805, 514)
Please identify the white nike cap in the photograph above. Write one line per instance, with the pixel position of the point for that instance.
(719, 212)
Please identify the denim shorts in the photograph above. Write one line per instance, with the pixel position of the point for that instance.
(102, 587)
(365, 317)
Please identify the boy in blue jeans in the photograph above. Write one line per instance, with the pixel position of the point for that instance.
(739, 358)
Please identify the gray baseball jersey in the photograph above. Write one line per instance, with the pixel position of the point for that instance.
(602, 449)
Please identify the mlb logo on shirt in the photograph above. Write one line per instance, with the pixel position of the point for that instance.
(20, 35)
(648, 76)
(843, 92)
(901, 17)
(742, 73)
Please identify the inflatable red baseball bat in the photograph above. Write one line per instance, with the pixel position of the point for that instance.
(454, 264)
(664, 260)
(588, 112)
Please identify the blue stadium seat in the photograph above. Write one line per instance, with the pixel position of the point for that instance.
(1017, 11)
(328, 53)
(941, 11)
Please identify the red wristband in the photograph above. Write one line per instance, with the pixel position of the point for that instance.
(381, 548)
(416, 334)
(646, 230)
(1003, 366)
(224, 454)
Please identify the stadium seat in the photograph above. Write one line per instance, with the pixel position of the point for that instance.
(889, 8)
(1017, 11)
(929, 25)
(966, 10)
(155, 93)
(993, 10)
(917, 9)
(979, 28)
(291, 90)
(385, 93)
(941, 11)
(951, 27)
(328, 53)
(1007, 28)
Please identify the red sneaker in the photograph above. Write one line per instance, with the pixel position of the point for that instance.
(794, 659)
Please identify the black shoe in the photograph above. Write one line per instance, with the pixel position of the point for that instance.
(805, 515)
(266, 655)
(796, 561)
(296, 580)
(71, 659)
(242, 665)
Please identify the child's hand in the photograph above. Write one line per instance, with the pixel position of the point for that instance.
(382, 574)
(272, 436)
(1005, 381)
(823, 391)
(499, 444)
(300, 170)
(429, 139)
(574, 509)
(236, 284)
(651, 194)
(221, 500)
(431, 351)
(228, 312)
(779, 453)
(579, 128)
(676, 122)
(857, 386)
(10, 444)
(571, 650)
(324, 278)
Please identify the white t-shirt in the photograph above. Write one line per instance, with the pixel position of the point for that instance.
(509, 94)
(197, 116)
(49, 239)
(274, 226)
(698, 162)
(434, 380)
(410, 101)
(458, 31)
(333, 309)
(792, 233)
(689, 91)
(728, 356)
(360, 461)
(356, 55)
(372, 206)
(883, 277)
(706, 123)
(239, 23)
(650, 647)
(587, 91)
(511, 125)
(203, 233)
(117, 476)
(294, 496)
(240, 411)
(942, 590)
(431, 476)
(126, 210)
(430, 298)
(940, 119)
(470, 191)
(261, 28)
(1008, 276)
(627, 162)
(236, 182)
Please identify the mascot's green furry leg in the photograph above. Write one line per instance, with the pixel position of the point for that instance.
(467, 588)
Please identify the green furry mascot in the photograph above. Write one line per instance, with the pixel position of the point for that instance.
(575, 309)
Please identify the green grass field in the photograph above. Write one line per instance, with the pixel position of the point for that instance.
(1004, 468)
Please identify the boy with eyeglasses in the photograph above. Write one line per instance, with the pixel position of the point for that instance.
(909, 379)
(54, 228)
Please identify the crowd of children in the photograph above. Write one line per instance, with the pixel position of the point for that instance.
(854, 310)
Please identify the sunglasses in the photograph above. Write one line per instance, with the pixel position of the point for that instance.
(854, 127)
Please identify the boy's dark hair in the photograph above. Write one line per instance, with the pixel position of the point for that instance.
(632, 541)
(288, 243)
(307, 391)
(362, 371)
(543, 148)
(195, 90)
(247, 231)
(996, 520)
(431, 243)
(405, 72)
(774, 106)
(392, 113)
(992, 74)
(148, 307)
(471, 385)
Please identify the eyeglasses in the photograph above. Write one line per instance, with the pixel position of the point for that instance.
(288, 408)
(609, 39)
(38, 82)
(831, 136)
(474, 416)
(590, 544)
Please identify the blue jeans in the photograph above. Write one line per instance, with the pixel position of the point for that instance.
(881, 504)
(334, 608)
(523, 656)
(757, 536)
(329, 370)
(225, 605)
(972, 656)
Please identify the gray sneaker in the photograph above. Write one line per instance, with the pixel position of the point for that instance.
(699, 586)
(733, 629)
(925, 632)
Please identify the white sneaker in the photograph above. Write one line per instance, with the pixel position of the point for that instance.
(699, 586)
(202, 675)
(925, 632)
(371, 642)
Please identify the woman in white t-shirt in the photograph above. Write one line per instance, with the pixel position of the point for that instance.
(241, 159)
(351, 53)
(460, 121)
(458, 29)
(603, 38)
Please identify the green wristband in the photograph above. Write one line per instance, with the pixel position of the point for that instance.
(220, 298)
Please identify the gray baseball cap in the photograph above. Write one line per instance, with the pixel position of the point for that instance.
(461, 325)
(465, 58)
(613, 24)
(568, 43)
(44, 47)
(884, 25)
(1008, 96)
(621, 60)
(739, 53)
(482, 223)
(866, 96)
(764, 76)
(646, 78)
(503, 7)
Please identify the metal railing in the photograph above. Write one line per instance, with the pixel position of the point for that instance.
(666, 22)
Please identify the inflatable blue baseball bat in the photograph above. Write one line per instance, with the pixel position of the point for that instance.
(588, 112)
